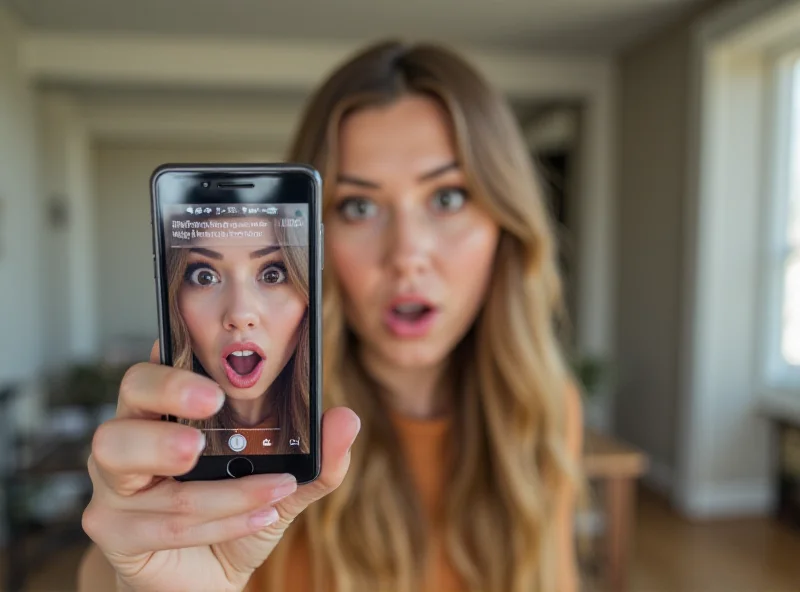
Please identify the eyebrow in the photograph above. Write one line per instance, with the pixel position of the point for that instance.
(438, 171)
(218, 256)
(264, 252)
(207, 252)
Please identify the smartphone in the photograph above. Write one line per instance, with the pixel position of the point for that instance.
(237, 255)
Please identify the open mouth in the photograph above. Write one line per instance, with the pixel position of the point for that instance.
(411, 317)
(411, 312)
(243, 364)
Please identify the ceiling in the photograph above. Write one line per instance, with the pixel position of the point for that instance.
(581, 25)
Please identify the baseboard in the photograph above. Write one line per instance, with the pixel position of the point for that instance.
(723, 500)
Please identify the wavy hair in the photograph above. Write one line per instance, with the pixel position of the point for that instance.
(511, 463)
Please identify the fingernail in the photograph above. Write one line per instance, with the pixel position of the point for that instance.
(201, 443)
(203, 395)
(284, 489)
(187, 444)
(220, 399)
(264, 518)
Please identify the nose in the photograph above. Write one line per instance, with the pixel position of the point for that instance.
(241, 308)
(411, 244)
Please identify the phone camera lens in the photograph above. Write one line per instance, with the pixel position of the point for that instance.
(205, 184)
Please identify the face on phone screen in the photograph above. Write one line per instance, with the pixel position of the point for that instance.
(238, 297)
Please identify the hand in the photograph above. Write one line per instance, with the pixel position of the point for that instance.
(162, 534)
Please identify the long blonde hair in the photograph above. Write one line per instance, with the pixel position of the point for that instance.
(289, 394)
(510, 460)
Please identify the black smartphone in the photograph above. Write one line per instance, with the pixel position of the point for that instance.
(237, 255)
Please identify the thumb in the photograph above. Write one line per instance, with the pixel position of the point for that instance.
(340, 426)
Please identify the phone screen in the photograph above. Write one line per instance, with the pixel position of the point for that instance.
(237, 285)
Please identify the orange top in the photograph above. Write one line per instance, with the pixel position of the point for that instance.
(424, 444)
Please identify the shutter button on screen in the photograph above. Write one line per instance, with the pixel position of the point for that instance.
(240, 467)
(237, 442)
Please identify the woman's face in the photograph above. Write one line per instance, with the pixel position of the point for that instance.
(242, 313)
(412, 252)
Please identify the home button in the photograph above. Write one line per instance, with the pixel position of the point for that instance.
(240, 467)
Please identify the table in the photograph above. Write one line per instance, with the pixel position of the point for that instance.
(616, 466)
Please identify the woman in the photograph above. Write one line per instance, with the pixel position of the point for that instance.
(441, 296)
(238, 314)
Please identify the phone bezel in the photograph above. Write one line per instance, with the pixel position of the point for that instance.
(304, 467)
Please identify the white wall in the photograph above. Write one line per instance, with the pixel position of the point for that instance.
(69, 294)
(20, 216)
(127, 297)
(55, 253)
(20, 236)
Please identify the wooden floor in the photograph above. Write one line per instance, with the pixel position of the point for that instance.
(672, 555)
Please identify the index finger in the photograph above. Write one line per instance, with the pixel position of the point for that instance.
(151, 390)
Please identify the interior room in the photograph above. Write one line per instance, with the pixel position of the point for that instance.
(666, 135)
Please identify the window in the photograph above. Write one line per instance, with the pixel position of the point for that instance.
(790, 338)
(783, 325)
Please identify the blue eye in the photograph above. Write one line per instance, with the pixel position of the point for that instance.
(357, 208)
(201, 275)
(449, 200)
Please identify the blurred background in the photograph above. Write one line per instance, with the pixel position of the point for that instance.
(668, 136)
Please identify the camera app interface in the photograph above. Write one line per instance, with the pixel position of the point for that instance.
(238, 288)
